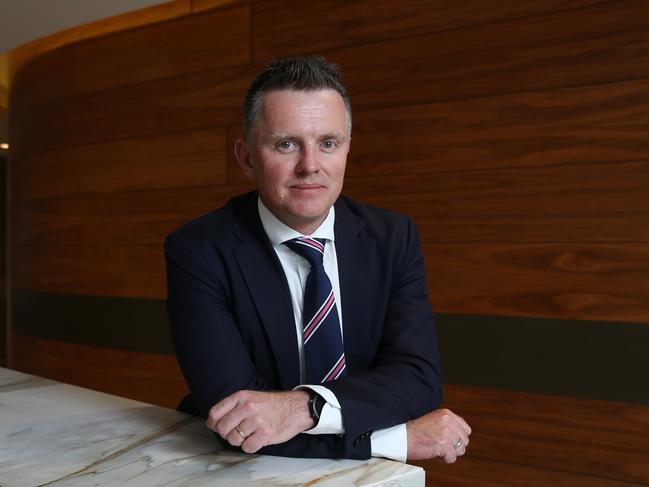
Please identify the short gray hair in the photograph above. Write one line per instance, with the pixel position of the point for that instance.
(303, 73)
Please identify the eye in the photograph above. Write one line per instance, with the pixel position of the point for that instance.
(329, 145)
(285, 145)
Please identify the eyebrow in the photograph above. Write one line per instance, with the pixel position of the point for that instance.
(328, 135)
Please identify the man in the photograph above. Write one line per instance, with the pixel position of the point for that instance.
(300, 318)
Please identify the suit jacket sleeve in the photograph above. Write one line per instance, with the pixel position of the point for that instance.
(402, 380)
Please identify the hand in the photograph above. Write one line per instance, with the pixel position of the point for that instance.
(436, 435)
(252, 419)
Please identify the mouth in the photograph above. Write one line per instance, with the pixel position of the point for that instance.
(305, 186)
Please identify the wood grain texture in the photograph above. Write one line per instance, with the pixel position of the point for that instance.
(601, 44)
(202, 5)
(329, 24)
(24, 54)
(121, 270)
(185, 45)
(581, 125)
(148, 377)
(587, 437)
(198, 101)
(593, 203)
(475, 472)
(125, 218)
(576, 281)
(177, 159)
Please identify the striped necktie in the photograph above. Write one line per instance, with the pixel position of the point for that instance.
(323, 344)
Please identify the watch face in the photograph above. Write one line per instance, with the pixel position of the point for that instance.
(318, 404)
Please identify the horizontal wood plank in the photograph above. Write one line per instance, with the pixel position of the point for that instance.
(575, 281)
(202, 5)
(587, 437)
(330, 24)
(475, 472)
(130, 271)
(544, 204)
(582, 125)
(148, 377)
(192, 102)
(177, 159)
(22, 55)
(125, 218)
(184, 45)
(564, 49)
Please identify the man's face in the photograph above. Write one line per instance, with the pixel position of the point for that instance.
(297, 155)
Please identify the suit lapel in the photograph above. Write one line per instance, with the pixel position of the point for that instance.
(355, 251)
(268, 288)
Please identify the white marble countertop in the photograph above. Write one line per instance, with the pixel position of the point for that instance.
(56, 434)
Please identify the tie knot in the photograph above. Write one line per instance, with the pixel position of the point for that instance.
(312, 249)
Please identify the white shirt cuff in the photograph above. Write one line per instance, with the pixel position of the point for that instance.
(331, 418)
(391, 443)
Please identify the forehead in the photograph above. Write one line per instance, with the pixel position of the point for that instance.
(303, 108)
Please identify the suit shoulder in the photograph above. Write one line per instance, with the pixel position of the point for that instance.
(378, 221)
(212, 226)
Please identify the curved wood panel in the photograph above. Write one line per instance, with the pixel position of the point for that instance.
(330, 24)
(194, 102)
(190, 44)
(23, 55)
(138, 163)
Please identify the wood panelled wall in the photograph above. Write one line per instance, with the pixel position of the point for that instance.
(515, 134)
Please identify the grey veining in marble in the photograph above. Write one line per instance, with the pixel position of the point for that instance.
(61, 435)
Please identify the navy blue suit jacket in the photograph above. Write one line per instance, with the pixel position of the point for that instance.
(233, 327)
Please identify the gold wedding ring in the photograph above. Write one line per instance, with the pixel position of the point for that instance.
(240, 433)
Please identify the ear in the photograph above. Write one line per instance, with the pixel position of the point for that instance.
(243, 156)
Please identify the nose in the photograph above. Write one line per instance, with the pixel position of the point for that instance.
(308, 162)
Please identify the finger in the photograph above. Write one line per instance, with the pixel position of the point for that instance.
(449, 455)
(219, 410)
(465, 426)
(459, 435)
(460, 429)
(240, 433)
(231, 420)
(253, 443)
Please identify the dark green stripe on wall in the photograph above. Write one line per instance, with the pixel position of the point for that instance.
(122, 323)
(592, 359)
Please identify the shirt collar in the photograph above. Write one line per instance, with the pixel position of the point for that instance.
(279, 233)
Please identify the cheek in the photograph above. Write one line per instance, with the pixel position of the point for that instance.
(275, 179)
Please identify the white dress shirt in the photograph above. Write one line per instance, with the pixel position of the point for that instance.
(390, 442)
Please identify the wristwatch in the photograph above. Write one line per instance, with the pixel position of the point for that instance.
(316, 403)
